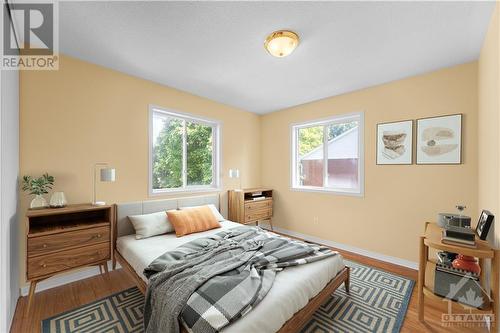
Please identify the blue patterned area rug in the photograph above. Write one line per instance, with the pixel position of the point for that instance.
(377, 302)
(118, 313)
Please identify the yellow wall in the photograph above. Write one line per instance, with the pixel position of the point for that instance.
(398, 199)
(489, 122)
(83, 114)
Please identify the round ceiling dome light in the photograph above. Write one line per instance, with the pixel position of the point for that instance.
(281, 43)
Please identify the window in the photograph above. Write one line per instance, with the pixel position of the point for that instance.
(184, 153)
(327, 155)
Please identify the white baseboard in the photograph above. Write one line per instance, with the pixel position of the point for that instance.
(349, 248)
(60, 280)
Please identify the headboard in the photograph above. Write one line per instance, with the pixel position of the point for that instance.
(123, 210)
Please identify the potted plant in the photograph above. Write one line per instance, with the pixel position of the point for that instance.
(38, 187)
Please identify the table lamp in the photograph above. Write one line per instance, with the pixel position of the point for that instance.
(235, 173)
(106, 174)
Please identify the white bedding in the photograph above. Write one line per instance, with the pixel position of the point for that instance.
(291, 291)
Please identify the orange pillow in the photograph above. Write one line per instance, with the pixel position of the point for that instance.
(191, 220)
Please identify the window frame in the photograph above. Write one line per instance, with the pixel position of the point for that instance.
(295, 127)
(216, 155)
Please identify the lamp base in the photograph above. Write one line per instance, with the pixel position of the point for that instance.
(99, 203)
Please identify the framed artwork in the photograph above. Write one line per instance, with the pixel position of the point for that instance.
(395, 143)
(439, 140)
(484, 224)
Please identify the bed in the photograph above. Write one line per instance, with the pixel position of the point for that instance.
(296, 293)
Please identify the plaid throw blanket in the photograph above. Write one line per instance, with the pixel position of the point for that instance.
(212, 281)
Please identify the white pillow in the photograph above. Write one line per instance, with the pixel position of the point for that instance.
(218, 216)
(148, 225)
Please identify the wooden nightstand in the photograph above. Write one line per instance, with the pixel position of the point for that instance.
(245, 208)
(62, 239)
(483, 251)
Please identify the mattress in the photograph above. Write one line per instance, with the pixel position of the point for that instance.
(291, 291)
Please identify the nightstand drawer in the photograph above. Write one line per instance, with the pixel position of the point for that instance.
(258, 215)
(50, 243)
(258, 205)
(61, 261)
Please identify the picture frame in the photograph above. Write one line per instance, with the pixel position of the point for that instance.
(395, 143)
(439, 140)
(484, 224)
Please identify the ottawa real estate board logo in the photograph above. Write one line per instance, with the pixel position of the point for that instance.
(30, 39)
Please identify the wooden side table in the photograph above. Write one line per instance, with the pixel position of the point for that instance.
(245, 210)
(432, 239)
(62, 239)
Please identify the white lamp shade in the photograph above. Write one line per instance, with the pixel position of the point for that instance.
(107, 175)
(234, 173)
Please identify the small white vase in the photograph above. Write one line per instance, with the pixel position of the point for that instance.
(38, 202)
(58, 200)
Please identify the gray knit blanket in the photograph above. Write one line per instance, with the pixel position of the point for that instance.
(212, 281)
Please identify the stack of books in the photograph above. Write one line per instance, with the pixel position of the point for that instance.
(459, 236)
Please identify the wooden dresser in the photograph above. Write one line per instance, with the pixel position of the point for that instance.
(62, 239)
(251, 205)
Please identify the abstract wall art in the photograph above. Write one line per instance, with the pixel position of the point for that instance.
(395, 142)
(439, 140)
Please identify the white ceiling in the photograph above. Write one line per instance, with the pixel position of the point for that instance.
(215, 49)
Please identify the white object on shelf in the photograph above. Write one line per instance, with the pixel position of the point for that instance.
(57, 200)
(38, 202)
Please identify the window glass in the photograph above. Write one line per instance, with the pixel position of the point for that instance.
(343, 155)
(184, 152)
(310, 152)
(167, 152)
(327, 155)
(199, 154)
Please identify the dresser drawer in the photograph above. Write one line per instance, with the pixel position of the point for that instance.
(50, 243)
(258, 215)
(258, 205)
(61, 261)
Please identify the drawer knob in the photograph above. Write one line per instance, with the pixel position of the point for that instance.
(44, 265)
(99, 235)
(44, 246)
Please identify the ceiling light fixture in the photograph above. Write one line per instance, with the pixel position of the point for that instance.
(281, 43)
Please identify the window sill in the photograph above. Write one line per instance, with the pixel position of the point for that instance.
(153, 193)
(328, 191)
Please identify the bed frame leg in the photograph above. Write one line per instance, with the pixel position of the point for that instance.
(31, 297)
(347, 280)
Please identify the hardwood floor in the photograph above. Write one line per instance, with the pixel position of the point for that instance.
(51, 302)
